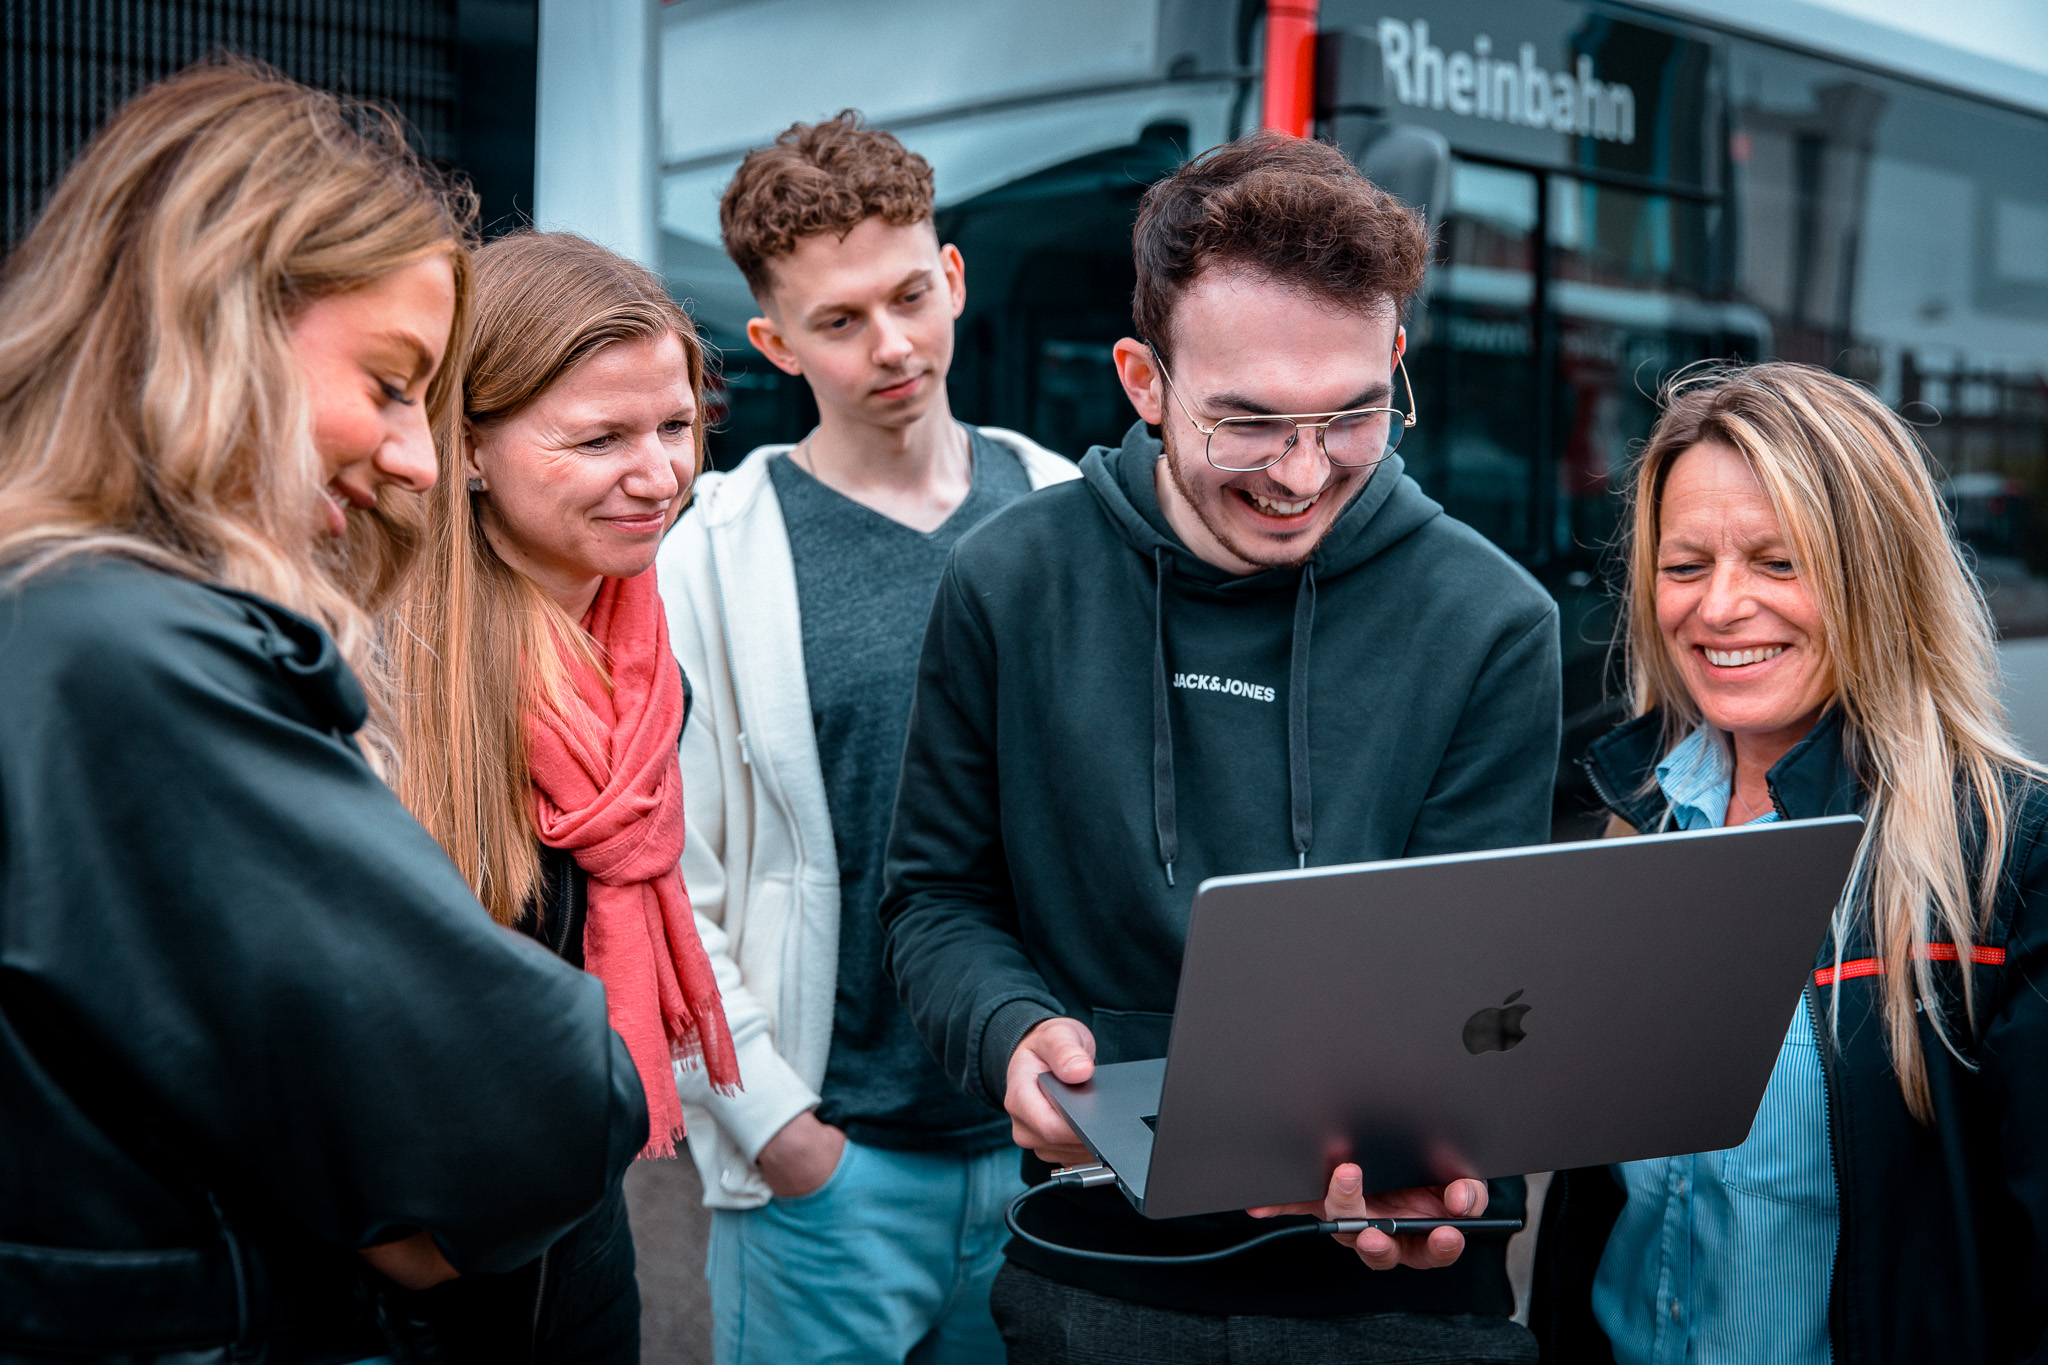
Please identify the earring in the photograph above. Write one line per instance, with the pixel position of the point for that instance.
(476, 483)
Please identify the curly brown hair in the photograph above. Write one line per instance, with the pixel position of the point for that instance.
(818, 177)
(1295, 211)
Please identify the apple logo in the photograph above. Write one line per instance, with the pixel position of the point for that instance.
(1496, 1028)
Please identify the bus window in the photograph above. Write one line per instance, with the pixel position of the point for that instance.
(1049, 283)
(1474, 447)
(1631, 285)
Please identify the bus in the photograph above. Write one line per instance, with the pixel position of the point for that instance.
(1615, 191)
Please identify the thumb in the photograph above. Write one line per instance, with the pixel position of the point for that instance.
(1465, 1198)
(1070, 1052)
(1347, 1196)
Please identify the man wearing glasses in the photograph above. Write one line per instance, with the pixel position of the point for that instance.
(1250, 643)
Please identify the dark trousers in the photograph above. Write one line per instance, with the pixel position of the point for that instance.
(580, 1306)
(1044, 1322)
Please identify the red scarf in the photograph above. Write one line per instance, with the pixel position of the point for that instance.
(606, 787)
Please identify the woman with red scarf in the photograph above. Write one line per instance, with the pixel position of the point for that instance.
(540, 708)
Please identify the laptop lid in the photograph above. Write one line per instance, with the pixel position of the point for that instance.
(1480, 1014)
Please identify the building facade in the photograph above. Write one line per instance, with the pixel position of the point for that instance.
(460, 72)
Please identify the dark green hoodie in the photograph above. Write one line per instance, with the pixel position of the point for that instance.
(1102, 720)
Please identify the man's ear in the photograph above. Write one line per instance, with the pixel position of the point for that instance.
(1400, 340)
(766, 334)
(955, 267)
(1139, 374)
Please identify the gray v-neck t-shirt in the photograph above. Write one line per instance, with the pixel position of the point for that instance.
(864, 586)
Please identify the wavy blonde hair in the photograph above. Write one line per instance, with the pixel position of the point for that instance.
(149, 402)
(476, 643)
(1910, 641)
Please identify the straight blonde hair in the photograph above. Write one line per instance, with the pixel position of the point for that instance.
(477, 644)
(1911, 644)
(149, 402)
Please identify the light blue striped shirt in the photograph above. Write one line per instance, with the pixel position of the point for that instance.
(1724, 1258)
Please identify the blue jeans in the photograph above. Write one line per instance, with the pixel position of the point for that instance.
(889, 1261)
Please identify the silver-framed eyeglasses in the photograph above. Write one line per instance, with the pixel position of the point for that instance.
(1353, 439)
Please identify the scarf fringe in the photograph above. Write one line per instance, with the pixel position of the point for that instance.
(690, 1057)
(658, 1149)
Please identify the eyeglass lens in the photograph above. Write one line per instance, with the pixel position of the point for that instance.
(1359, 438)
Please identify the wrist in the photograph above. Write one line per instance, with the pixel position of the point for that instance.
(1000, 1039)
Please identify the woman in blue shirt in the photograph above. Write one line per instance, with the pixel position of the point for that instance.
(1804, 640)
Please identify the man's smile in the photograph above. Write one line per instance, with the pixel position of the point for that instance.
(1275, 508)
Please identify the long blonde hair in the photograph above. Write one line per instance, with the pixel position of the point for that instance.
(149, 402)
(477, 643)
(1910, 641)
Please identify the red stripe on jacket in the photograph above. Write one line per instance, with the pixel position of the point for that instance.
(1932, 952)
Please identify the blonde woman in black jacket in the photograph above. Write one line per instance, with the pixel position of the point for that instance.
(1804, 639)
(256, 1034)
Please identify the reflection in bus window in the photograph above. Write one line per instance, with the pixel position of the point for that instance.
(1472, 342)
(1630, 292)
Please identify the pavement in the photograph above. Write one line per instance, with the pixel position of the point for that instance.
(670, 1226)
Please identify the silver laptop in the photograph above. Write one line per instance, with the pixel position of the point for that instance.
(1484, 1014)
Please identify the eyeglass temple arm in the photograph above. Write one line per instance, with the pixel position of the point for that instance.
(1193, 421)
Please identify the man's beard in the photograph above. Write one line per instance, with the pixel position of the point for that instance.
(1215, 524)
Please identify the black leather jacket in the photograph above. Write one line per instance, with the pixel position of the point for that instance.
(251, 1018)
(1942, 1252)
(580, 1301)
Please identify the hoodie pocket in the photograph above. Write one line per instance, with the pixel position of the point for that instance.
(1131, 1035)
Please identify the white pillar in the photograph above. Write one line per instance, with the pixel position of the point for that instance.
(595, 147)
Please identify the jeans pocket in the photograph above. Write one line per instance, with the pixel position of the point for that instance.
(832, 1181)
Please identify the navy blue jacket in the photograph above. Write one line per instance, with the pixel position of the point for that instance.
(1943, 1247)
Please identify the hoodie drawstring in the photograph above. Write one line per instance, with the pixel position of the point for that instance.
(1163, 820)
(1300, 806)
(1300, 799)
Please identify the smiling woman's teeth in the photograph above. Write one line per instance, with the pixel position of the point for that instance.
(1281, 509)
(1735, 658)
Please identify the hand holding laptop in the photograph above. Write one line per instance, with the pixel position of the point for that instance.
(1420, 1251)
(1066, 1048)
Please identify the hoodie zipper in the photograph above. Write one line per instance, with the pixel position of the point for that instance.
(747, 754)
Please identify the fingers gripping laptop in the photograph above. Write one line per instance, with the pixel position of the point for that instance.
(1481, 1014)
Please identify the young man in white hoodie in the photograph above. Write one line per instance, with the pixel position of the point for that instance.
(857, 1195)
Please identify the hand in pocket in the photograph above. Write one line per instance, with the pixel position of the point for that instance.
(799, 1160)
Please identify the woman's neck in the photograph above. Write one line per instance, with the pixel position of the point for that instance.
(576, 600)
(1756, 753)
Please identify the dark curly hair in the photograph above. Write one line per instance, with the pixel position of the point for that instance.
(1295, 211)
(818, 177)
